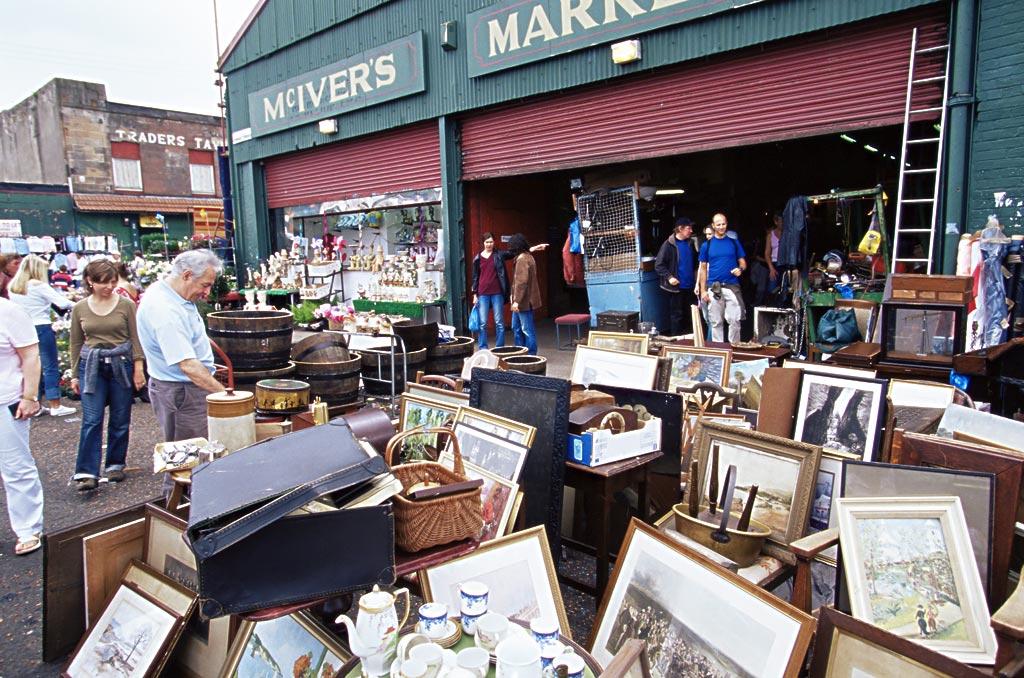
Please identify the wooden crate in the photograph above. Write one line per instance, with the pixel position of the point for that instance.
(931, 288)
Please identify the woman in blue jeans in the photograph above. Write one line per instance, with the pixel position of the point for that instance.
(31, 290)
(490, 290)
(106, 359)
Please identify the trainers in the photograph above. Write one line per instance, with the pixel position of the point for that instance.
(86, 484)
(62, 411)
(115, 476)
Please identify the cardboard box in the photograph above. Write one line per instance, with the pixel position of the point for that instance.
(603, 447)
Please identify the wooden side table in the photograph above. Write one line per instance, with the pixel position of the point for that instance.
(602, 482)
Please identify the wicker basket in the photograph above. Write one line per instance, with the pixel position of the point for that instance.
(430, 522)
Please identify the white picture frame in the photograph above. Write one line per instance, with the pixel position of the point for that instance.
(613, 368)
(497, 455)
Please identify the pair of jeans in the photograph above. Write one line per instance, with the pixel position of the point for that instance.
(21, 477)
(524, 332)
(496, 304)
(49, 380)
(107, 392)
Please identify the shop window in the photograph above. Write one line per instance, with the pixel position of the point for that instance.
(126, 164)
(200, 167)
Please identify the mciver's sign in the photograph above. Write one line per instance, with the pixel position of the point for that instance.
(387, 72)
(515, 32)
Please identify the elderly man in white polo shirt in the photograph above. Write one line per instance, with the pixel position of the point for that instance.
(178, 353)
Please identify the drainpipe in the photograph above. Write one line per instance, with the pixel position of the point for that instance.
(959, 119)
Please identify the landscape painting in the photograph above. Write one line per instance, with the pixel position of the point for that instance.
(776, 479)
(663, 594)
(910, 579)
(126, 639)
(285, 647)
(416, 411)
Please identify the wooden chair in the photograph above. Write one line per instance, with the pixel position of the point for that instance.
(439, 381)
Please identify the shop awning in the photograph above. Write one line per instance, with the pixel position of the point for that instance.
(105, 202)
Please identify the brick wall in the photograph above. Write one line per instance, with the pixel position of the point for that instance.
(997, 163)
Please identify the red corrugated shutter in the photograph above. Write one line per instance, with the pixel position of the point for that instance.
(200, 157)
(399, 160)
(845, 78)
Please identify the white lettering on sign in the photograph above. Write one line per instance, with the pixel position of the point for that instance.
(352, 81)
(167, 139)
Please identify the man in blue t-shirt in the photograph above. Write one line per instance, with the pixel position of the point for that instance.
(722, 262)
(676, 266)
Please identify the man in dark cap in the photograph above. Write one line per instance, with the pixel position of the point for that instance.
(676, 266)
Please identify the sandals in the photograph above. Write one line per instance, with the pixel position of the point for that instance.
(27, 545)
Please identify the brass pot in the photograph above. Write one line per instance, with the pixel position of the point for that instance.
(285, 396)
(742, 547)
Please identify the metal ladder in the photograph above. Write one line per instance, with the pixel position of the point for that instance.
(924, 229)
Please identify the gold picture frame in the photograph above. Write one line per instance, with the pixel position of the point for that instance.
(431, 413)
(755, 632)
(517, 504)
(455, 398)
(626, 342)
(761, 459)
(715, 371)
(497, 497)
(502, 427)
(518, 569)
(602, 366)
(299, 627)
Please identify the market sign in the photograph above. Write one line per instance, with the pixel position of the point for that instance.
(516, 32)
(10, 228)
(377, 75)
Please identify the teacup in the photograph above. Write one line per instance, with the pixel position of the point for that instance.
(433, 620)
(474, 659)
(432, 656)
(413, 668)
(491, 629)
(548, 654)
(545, 631)
(518, 657)
(473, 597)
(573, 664)
(469, 622)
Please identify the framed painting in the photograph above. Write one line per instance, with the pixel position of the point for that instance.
(615, 368)
(497, 497)
(499, 456)
(976, 492)
(629, 662)
(105, 556)
(910, 570)
(785, 472)
(663, 593)
(746, 379)
(905, 393)
(137, 628)
(980, 427)
(627, 342)
(454, 398)
(842, 415)
(502, 427)
(416, 411)
(204, 644)
(831, 370)
(692, 365)
(845, 646)
(519, 571)
(914, 449)
(543, 403)
(513, 515)
(826, 491)
(294, 645)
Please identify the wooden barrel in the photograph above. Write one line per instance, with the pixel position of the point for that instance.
(447, 358)
(245, 380)
(321, 348)
(530, 364)
(509, 351)
(334, 382)
(253, 339)
(376, 369)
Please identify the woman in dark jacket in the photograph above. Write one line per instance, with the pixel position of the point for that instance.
(677, 278)
(525, 292)
(490, 290)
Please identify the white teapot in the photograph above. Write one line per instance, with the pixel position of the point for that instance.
(374, 635)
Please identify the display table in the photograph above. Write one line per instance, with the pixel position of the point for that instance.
(600, 483)
(351, 668)
(282, 298)
(410, 309)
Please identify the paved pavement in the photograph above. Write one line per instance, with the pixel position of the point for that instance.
(54, 441)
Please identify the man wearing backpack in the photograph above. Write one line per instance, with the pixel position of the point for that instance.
(722, 262)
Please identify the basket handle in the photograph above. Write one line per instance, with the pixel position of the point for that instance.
(395, 444)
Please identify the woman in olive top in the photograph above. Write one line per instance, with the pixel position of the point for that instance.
(106, 361)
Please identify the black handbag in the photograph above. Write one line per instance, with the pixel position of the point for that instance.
(253, 555)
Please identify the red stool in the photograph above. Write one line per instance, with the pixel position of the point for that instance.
(576, 320)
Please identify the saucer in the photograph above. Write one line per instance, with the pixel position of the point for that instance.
(452, 634)
(514, 630)
(449, 662)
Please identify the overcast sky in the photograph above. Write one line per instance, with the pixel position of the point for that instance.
(159, 53)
